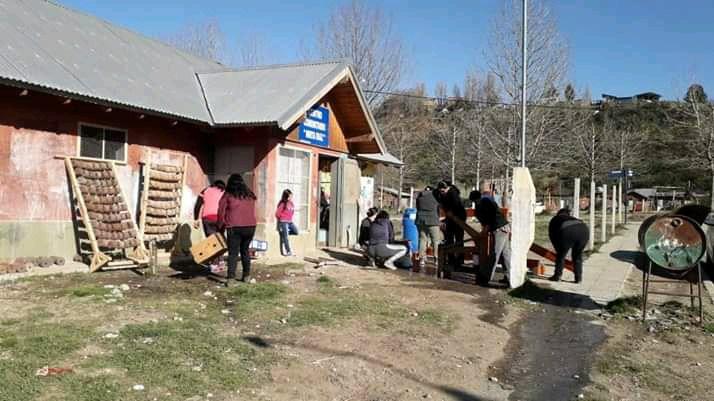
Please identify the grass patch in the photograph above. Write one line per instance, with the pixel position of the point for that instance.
(626, 305)
(437, 318)
(186, 358)
(31, 346)
(324, 280)
(709, 328)
(88, 291)
(256, 298)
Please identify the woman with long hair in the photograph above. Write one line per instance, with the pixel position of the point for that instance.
(284, 214)
(236, 214)
(381, 238)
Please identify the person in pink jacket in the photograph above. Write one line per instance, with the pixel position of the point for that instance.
(284, 215)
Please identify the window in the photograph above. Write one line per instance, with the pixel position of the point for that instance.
(102, 143)
(294, 174)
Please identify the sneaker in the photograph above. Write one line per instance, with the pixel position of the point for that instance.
(390, 266)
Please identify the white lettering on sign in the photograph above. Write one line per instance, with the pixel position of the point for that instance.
(317, 136)
(317, 113)
(315, 124)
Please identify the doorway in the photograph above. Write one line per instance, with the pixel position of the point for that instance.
(323, 198)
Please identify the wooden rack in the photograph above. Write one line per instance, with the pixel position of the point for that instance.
(161, 200)
(102, 207)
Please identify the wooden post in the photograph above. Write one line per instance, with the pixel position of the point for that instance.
(603, 228)
(576, 199)
(146, 172)
(614, 209)
(99, 259)
(619, 197)
(591, 242)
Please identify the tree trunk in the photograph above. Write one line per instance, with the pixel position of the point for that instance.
(401, 184)
(453, 156)
(591, 242)
(711, 201)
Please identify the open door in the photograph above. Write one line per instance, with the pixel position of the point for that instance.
(344, 209)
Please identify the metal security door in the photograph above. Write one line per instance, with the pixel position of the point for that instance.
(344, 209)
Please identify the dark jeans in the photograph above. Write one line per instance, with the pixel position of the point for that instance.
(238, 243)
(286, 229)
(454, 235)
(575, 239)
(209, 227)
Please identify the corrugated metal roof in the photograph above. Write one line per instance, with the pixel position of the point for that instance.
(275, 94)
(383, 158)
(48, 45)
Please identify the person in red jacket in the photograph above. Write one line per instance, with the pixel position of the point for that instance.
(284, 214)
(236, 215)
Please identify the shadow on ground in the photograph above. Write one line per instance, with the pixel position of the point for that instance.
(640, 261)
(349, 257)
(458, 394)
(549, 296)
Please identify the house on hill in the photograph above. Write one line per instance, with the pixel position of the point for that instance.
(648, 97)
(72, 85)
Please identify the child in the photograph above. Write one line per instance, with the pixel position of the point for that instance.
(284, 213)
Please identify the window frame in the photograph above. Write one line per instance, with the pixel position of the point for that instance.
(103, 128)
(309, 179)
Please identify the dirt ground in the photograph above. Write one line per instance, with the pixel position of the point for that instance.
(380, 335)
(669, 357)
(338, 333)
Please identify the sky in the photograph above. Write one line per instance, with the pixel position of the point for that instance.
(616, 47)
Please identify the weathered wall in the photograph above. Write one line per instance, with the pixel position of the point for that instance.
(35, 212)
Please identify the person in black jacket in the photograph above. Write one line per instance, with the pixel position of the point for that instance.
(449, 198)
(381, 236)
(489, 215)
(427, 222)
(568, 233)
(363, 239)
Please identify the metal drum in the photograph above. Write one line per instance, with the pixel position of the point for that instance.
(643, 229)
(674, 242)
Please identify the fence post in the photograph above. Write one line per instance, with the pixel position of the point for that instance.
(576, 199)
(591, 242)
(603, 230)
(614, 209)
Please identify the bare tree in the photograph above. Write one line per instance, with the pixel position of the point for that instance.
(403, 120)
(547, 67)
(696, 117)
(363, 35)
(252, 51)
(203, 39)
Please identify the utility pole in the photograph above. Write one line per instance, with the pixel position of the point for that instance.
(524, 61)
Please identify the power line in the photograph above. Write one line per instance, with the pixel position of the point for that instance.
(480, 102)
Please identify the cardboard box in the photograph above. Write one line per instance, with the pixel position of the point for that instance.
(209, 248)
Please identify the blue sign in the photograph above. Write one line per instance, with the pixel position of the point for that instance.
(619, 173)
(314, 130)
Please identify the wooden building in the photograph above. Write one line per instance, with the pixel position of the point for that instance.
(74, 85)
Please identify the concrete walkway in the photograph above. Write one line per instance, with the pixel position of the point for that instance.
(604, 275)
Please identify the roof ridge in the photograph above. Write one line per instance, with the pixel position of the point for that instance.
(110, 25)
(278, 66)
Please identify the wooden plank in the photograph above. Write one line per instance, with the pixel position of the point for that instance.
(550, 255)
(144, 198)
(361, 138)
(98, 258)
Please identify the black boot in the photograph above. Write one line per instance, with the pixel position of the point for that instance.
(554, 278)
